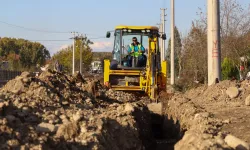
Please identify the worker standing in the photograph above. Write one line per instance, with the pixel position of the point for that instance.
(242, 69)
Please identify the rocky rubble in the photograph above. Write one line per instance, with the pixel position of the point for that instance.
(57, 111)
(212, 117)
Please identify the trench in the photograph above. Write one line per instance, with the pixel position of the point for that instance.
(166, 131)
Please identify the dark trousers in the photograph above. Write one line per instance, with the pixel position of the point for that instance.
(142, 59)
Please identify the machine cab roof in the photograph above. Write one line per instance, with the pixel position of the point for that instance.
(137, 27)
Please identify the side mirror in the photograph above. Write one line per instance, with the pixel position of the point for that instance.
(108, 35)
(164, 37)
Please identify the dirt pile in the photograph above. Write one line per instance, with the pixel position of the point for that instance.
(56, 111)
(214, 117)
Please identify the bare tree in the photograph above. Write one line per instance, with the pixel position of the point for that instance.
(235, 33)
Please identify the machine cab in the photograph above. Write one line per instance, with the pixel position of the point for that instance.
(123, 56)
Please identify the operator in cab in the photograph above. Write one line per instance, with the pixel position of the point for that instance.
(136, 50)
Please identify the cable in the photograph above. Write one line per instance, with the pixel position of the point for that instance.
(50, 40)
(97, 38)
(37, 30)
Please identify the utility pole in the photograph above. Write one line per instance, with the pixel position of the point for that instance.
(213, 40)
(82, 44)
(162, 27)
(73, 59)
(172, 42)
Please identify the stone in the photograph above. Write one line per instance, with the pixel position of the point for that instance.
(15, 86)
(119, 108)
(63, 117)
(232, 92)
(156, 108)
(25, 74)
(46, 127)
(99, 124)
(77, 117)
(65, 103)
(13, 143)
(23, 147)
(129, 108)
(236, 143)
(88, 100)
(83, 129)
(247, 101)
(202, 115)
(67, 131)
(52, 121)
(220, 140)
(26, 109)
(26, 80)
(10, 118)
(57, 112)
(227, 121)
(2, 104)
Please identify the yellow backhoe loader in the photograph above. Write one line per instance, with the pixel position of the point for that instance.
(149, 78)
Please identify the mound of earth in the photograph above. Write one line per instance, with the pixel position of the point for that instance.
(57, 111)
(214, 117)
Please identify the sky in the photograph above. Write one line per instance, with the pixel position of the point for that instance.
(91, 17)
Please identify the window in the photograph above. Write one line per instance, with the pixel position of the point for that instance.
(117, 42)
(127, 40)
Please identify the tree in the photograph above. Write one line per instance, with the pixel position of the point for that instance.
(235, 37)
(87, 54)
(235, 28)
(178, 52)
(22, 54)
(32, 54)
(64, 56)
(228, 69)
(195, 53)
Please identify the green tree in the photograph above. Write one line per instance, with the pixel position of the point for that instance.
(22, 54)
(64, 56)
(228, 69)
(33, 54)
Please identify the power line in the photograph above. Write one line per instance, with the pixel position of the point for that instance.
(31, 29)
(50, 40)
(97, 38)
(39, 30)
(67, 40)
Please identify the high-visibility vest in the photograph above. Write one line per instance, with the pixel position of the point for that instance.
(135, 54)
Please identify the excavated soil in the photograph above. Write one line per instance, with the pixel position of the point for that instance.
(214, 117)
(56, 111)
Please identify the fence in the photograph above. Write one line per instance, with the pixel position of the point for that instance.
(6, 75)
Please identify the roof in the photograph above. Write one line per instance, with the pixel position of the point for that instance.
(137, 27)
